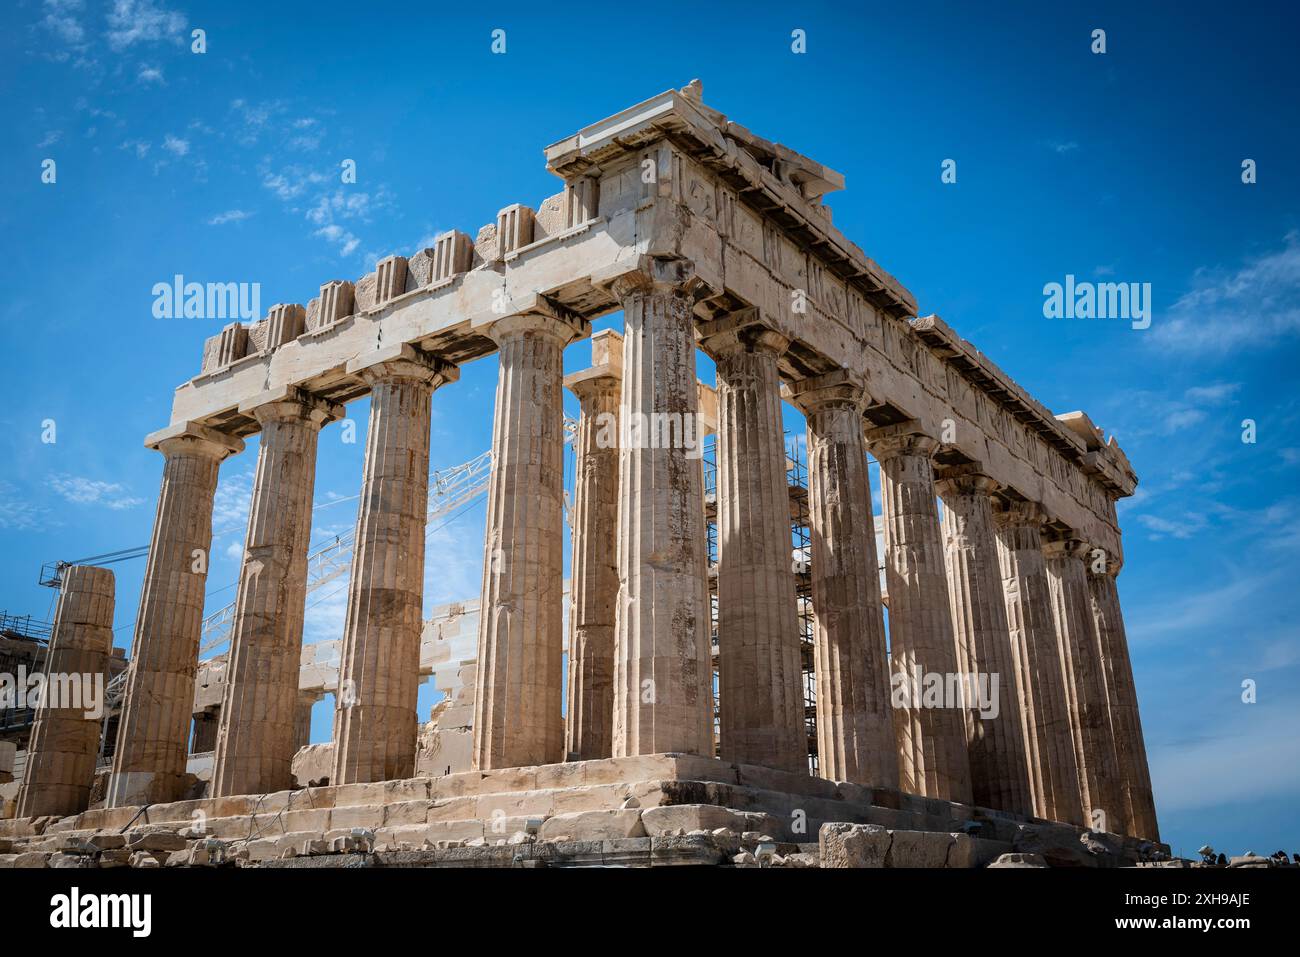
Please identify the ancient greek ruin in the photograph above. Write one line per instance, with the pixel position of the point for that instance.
(962, 694)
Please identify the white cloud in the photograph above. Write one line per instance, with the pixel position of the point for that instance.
(175, 145)
(229, 216)
(60, 20)
(17, 513)
(150, 74)
(143, 21)
(1254, 305)
(85, 491)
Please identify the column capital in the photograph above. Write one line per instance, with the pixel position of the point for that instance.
(1110, 569)
(966, 479)
(902, 438)
(653, 275)
(838, 389)
(1065, 547)
(289, 402)
(1020, 512)
(403, 361)
(592, 383)
(194, 438)
(745, 330)
(538, 320)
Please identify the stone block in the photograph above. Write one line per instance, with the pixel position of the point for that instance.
(593, 826)
(968, 851)
(919, 849)
(1016, 859)
(853, 845)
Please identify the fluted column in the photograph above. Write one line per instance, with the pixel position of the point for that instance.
(663, 674)
(65, 738)
(1044, 707)
(994, 731)
(257, 737)
(589, 730)
(759, 674)
(855, 723)
(1094, 752)
(931, 734)
(1125, 722)
(375, 719)
(518, 720)
(153, 730)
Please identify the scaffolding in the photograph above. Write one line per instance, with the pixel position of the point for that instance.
(796, 469)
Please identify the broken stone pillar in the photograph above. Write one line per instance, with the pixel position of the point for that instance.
(994, 730)
(1094, 750)
(154, 728)
(663, 673)
(302, 719)
(1125, 722)
(930, 732)
(1045, 710)
(206, 724)
(375, 719)
(518, 721)
(65, 738)
(760, 690)
(589, 730)
(257, 739)
(855, 723)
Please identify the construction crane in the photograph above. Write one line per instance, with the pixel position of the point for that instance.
(449, 490)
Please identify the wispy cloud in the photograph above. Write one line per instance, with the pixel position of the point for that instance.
(18, 513)
(85, 491)
(175, 145)
(1226, 310)
(134, 22)
(229, 216)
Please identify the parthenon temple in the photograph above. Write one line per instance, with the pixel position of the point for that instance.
(968, 674)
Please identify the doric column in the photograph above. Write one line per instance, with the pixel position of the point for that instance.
(855, 724)
(518, 721)
(994, 731)
(153, 730)
(931, 733)
(1040, 677)
(256, 740)
(375, 719)
(1125, 722)
(65, 738)
(589, 730)
(759, 674)
(663, 673)
(1094, 752)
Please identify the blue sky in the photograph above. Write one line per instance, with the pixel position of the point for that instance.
(1124, 166)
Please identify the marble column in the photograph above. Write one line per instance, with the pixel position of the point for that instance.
(1125, 722)
(1094, 752)
(760, 678)
(65, 738)
(1044, 707)
(154, 727)
(930, 733)
(303, 706)
(518, 721)
(855, 729)
(663, 680)
(995, 740)
(589, 729)
(256, 740)
(375, 718)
